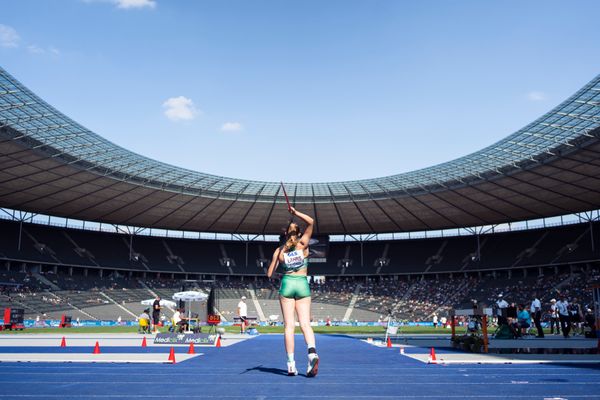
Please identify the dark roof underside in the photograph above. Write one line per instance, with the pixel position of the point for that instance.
(51, 165)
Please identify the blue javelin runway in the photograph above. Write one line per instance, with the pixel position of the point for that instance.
(255, 369)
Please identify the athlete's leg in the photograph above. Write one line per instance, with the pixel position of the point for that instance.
(303, 310)
(287, 308)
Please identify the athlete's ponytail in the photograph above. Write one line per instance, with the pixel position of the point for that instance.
(292, 237)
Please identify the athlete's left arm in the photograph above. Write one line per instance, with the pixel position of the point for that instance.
(274, 262)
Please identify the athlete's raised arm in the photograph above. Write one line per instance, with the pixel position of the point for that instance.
(305, 239)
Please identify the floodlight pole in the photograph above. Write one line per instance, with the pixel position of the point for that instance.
(592, 236)
(130, 246)
(22, 217)
(590, 219)
(20, 235)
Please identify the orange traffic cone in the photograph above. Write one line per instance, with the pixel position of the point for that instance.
(432, 359)
(389, 342)
(144, 342)
(63, 342)
(96, 348)
(218, 341)
(191, 349)
(172, 355)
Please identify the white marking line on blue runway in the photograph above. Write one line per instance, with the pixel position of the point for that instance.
(73, 337)
(303, 382)
(479, 367)
(517, 359)
(220, 396)
(112, 358)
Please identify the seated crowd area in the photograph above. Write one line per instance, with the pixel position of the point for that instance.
(51, 271)
(414, 299)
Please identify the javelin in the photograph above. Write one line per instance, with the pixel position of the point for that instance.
(286, 197)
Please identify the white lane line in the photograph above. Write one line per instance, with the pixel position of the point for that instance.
(303, 382)
(87, 358)
(220, 396)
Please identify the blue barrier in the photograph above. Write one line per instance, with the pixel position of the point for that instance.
(54, 323)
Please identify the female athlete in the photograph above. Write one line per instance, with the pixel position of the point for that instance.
(294, 294)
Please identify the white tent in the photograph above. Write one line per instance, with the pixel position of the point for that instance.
(190, 296)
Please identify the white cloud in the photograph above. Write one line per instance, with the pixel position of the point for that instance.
(126, 4)
(135, 3)
(35, 49)
(180, 109)
(232, 127)
(8, 36)
(536, 96)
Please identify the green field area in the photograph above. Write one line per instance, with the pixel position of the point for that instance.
(374, 330)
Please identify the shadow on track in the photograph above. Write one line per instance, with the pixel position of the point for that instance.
(276, 371)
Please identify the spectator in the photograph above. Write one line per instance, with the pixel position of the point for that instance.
(180, 324)
(554, 318)
(536, 311)
(590, 324)
(156, 313)
(143, 320)
(443, 320)
(242, 311)
(523, 319)
(564, 316)
(576, 314)
(502, 306)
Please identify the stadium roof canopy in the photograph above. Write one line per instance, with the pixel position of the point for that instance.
(50, 164)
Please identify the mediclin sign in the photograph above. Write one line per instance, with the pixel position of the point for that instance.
(203, 339)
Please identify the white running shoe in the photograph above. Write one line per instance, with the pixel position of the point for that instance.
(292, 371)
(313, 365)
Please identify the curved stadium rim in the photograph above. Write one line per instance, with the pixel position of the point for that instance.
(20, 216)
(25, 116)
(532, 143)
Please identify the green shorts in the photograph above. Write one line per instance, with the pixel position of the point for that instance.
(294, 287)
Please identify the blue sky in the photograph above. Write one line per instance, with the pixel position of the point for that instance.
(303, 90)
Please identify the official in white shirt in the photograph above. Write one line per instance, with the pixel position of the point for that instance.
(242, 311)
(501, 312)
(536, 313)
(179, 322)
(562, 306)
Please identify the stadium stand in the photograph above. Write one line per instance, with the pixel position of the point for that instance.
(408, 300)
(51, 271)
(521, 249)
